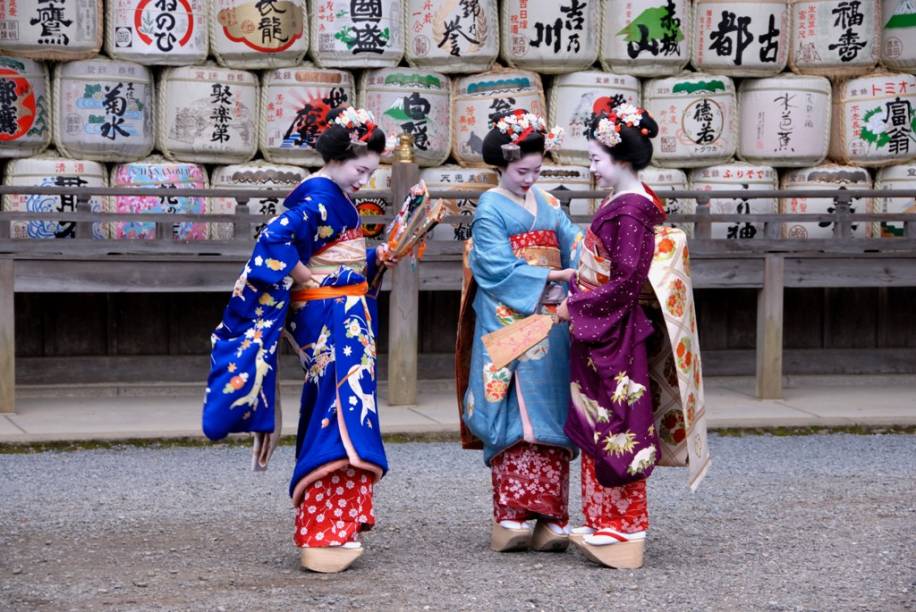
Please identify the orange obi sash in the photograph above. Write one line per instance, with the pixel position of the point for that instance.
(538, 248)
(327, 293)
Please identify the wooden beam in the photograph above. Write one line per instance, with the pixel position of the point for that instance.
(7, 336)
(769, 329)
(403, 320)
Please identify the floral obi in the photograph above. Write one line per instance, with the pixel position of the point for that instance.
(348, 250)
(538, 248)
(595, 269)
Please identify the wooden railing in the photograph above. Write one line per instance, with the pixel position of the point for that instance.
(768, 264)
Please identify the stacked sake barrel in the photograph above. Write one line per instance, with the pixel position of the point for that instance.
(748, 95)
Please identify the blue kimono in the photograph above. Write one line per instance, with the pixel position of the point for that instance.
(332, 329)
(512, 253)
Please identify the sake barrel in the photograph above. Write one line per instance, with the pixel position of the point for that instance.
(834, 37)
(258, 33)
(414, 101)
(874, 120)
(648, 38)
(824, 177)
(294, 105)
(253, 176)
(452, 35)
(569, 178)
(49, 30)
(697, 116)
(784, 120)
(664, 180)
(104, 110)
(349, 34)
(901, 176)
(157, 32)
(454, 177)
(51, 170)
(550, 37)
(25, 107)
(379, 181)
(153, 172)
(731, 177)
(208, 114)
(740, 38)
(575, 97)
(475, 98)
(898, 50)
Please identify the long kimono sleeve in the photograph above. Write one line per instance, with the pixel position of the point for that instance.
(497, 270)
(596, 316)
(569, 236)
(287, 239)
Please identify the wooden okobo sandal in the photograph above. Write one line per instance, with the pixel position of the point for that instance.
(547, 540)
(506, 539)
(330, 559)
(617, 550)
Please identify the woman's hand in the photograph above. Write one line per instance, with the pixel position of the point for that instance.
(563, 310)
(561, 276)
(384, 256)
(300, 273)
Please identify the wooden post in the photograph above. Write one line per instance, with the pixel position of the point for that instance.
(404, 305)
(83, 229)
(769, 329)
(703, 229)
(7, 336)
(241, 227)
(844, 225)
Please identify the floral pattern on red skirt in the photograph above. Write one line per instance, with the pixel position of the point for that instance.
(531, 481)
(622, 509)
(335, 508)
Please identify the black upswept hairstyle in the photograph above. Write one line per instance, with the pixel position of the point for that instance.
(634, 146)
(334, 142)
(494, 141)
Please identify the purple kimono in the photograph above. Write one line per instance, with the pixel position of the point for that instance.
(611, 413)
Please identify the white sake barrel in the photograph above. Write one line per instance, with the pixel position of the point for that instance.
(464, 179)
(157, 32)
(25, 107)
(253, 176)
(834, 37)
(294, 105)
(648, 38)
(414, 101)
(50, 170)
(898, 37)
(452, 36)
(379, 181)
(258, 33)
(575, 97)
(208, 114)
(664, 180)
(542, 36)
(697, 116)
(740, 38)
(153, 172)
(570, 178)
(824, 177)
(48, 30)
(737, 176)
(104, 110)
(901, 176)
(785, 120)
(368, 37)
(874, 120)
(475, 98)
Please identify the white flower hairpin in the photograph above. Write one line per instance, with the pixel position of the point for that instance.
(518, 124)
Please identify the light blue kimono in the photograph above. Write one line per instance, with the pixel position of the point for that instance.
(529, 398)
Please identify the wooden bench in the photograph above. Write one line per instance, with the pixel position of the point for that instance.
(768, 265)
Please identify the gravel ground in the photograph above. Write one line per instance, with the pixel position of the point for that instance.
(823, 522)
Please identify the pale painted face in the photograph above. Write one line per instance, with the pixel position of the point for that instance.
(607, 171)
(353, 174)
(521, 174)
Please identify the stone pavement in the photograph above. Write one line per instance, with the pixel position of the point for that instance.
(169, 411)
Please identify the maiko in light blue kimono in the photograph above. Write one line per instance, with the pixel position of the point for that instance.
(332, 328)
(512, 253)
